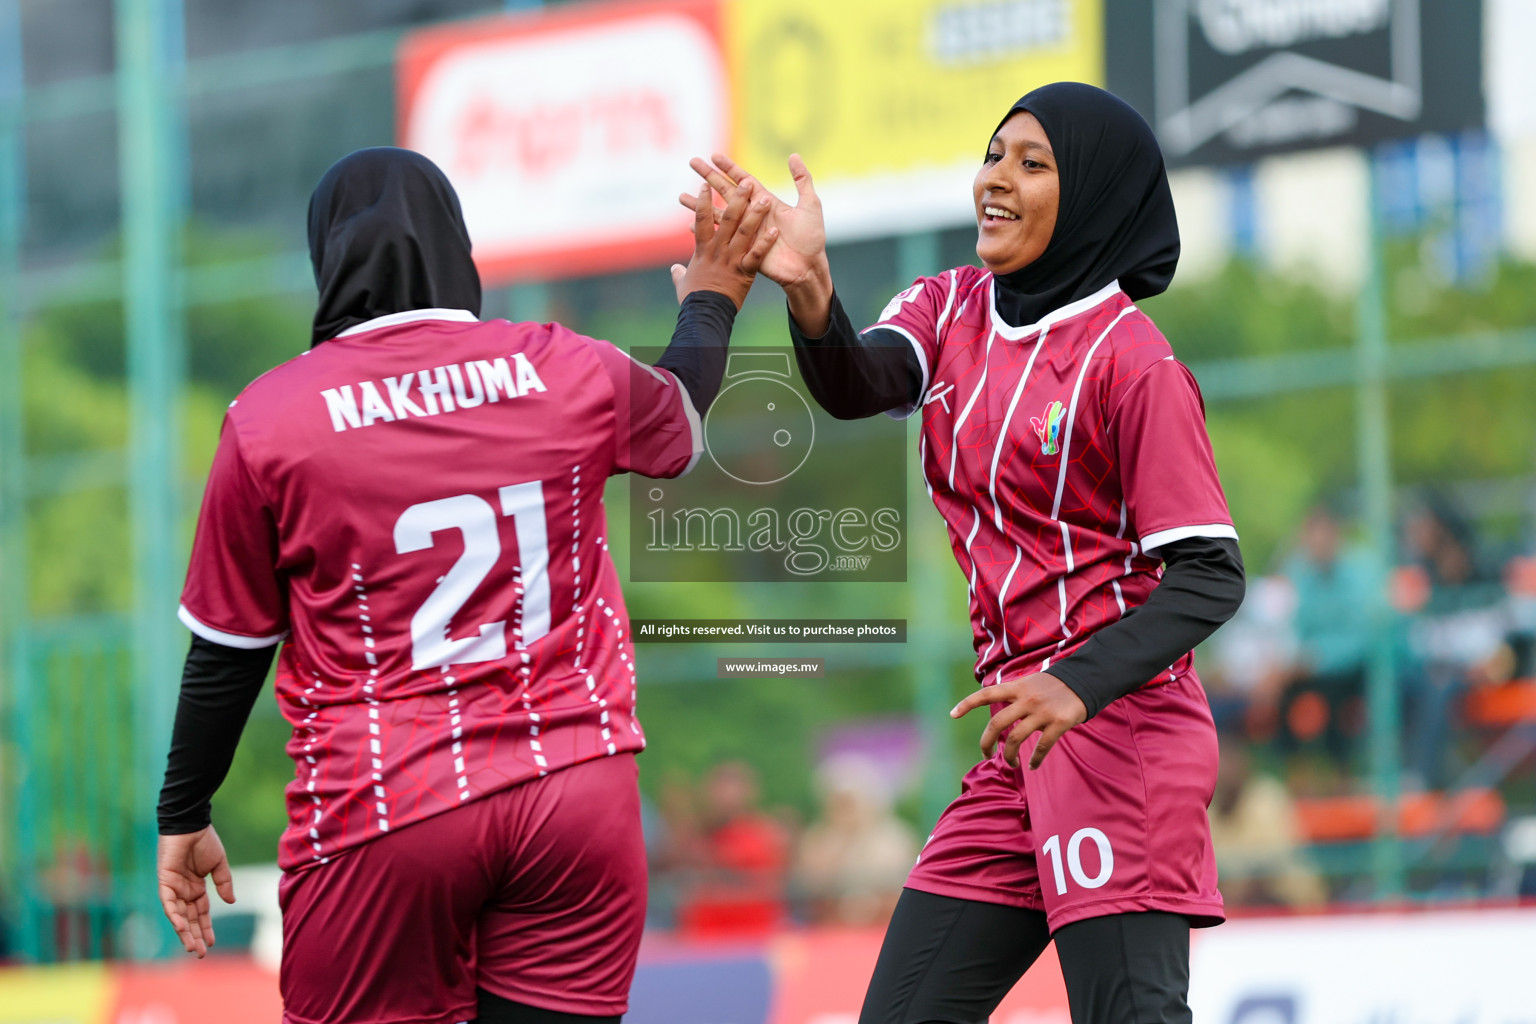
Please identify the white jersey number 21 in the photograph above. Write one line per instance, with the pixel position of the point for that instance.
(475, 519)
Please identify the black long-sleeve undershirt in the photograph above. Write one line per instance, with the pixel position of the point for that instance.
(219, 684)
(855, 375)
(696, 354)
(1202, 587)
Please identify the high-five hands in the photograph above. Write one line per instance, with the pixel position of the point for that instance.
(727, 256)
(1038, 703)
(797, 259)
(182, 867)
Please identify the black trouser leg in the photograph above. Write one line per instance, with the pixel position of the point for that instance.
(496, 1010)
(950, 961)
(1126, 969)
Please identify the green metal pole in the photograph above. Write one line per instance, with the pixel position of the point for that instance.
(529, 301)
(1374, 453)
(147, 139)
(20, 788)
(918, 255)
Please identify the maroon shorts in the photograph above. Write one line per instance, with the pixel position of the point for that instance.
(535, 894)
(1114, 820)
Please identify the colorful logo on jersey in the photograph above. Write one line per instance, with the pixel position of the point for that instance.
(1048, 429)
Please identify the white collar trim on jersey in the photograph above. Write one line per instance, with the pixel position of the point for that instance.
(1055, 316)
(411, 316)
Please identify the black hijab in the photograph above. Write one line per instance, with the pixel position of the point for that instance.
(386, 235)
(1116, 216)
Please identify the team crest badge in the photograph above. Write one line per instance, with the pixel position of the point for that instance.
(1048, 428)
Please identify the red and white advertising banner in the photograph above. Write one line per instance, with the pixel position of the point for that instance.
(567, 133)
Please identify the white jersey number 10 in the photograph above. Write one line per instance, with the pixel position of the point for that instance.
(1052, 850)
(475, 519)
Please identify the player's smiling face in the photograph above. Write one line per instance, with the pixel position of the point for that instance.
(1017, 193)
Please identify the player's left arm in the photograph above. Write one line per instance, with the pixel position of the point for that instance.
(1156, 430)
(219, 686)
(1202, 586)
(234, 604)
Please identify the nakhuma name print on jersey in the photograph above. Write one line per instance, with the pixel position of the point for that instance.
(442, 389)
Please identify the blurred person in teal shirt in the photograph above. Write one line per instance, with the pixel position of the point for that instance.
(1324, 702)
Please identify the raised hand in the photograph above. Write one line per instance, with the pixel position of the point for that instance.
(797, 262)
(182, 867)
(1038, 703)
(727, 257)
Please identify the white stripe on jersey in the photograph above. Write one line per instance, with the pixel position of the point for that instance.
(1055, 316)
(1066, 442)
(1061, 476)
(411, 316)
(997, 511)
(1061, 597)
(949, 304)
(1161, 537)
(997, 449)
(218, 636)
(976, 525)
(981, 385)
(1120, 535)
(1001, 608)
(903, 412)
(690, 411)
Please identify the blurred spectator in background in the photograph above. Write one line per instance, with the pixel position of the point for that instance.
(1520, 584)
(674, 847)
(1459, 622)
(855, 856)
(739, 887)
(1258, 845)
(1252, 659)
(1323, 703)
(78, 885)
(676, 839)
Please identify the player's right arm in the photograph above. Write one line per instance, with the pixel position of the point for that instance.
(851, 374)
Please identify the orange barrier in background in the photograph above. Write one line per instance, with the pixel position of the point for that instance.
(1351, 818)
(1495, 707)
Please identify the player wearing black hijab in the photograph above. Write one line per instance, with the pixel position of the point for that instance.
(386, 234)
(400, 511)
(1066, 449)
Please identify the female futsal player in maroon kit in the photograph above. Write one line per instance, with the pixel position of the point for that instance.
(411, 514)
(1066, 448)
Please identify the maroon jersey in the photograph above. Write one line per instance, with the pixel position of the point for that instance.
(1062, 455)
(418, 505)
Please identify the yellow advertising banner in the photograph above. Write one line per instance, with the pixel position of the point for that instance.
(72, 994)
(891, 102)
